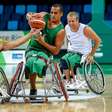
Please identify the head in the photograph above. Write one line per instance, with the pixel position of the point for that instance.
(56, 13)
(73, 19)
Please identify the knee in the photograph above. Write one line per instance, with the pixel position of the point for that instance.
(39, 63)
(39, 67)
(63, 64)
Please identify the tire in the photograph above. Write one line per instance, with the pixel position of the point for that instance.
(15, 78)
(94, 77)
(4, 84)
(61, 84)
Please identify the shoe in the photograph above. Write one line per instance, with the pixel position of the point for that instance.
(66, 82)
(33, 93)
(80, 84)
(77, 82)
(56, 89)
(69, 85)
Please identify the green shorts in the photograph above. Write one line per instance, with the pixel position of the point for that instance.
(34, 64)
(72, 59)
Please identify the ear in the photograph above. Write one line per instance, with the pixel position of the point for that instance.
(61, 13)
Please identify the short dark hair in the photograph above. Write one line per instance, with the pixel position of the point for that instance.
(58, 5)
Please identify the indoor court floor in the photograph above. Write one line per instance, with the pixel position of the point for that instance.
(101, 103)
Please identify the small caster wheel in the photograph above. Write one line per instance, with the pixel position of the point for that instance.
(59, 96)
(7, 99)
(46, 99)
(76, 91)
(2, 101)
(87, 91)
(26, 100)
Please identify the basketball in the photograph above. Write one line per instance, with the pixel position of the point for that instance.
(38, 24)
(35, 20)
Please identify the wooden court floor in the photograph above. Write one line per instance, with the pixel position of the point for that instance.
(102, 103)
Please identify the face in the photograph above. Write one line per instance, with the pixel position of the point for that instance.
(72, 21)
(1, 46)
(56, 14)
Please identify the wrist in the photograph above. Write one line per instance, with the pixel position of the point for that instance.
(29, 35)
(91, 53)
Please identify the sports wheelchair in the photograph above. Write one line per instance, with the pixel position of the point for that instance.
(16, 87)
(93, 77)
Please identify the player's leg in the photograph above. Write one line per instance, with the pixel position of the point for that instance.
(36, 66)
(71, 59)
(65, 67)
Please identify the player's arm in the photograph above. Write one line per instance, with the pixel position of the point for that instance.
(12, 44)
(92, 35)
(89, 33)
(54, 49)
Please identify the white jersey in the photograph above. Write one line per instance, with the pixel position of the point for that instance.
(77, 41)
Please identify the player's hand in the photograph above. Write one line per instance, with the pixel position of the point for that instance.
(35, 31)
(40, 39)
(89, 58)
(29, 15)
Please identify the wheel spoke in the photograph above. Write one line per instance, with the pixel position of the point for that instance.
(94, 77)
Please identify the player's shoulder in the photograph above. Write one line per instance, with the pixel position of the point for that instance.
(83, 25)
(66, 26)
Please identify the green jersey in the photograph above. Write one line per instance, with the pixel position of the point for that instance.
(50, 35)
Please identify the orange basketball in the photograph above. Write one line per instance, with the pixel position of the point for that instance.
(38, 24)
(36, 20)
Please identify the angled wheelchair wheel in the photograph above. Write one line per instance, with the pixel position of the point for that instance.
(94, 77)
(4, 84)
(15, 78)
(60, 82)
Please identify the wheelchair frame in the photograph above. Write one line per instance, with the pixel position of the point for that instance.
(12, 88)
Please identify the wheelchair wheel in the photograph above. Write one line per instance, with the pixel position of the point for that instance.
(15, 79)
(4, 84)
(61, 84)
(94, 77)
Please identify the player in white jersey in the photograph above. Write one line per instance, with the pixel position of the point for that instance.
(80, 37)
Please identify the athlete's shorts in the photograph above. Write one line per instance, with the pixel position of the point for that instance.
(35, 64)
(69, 60)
